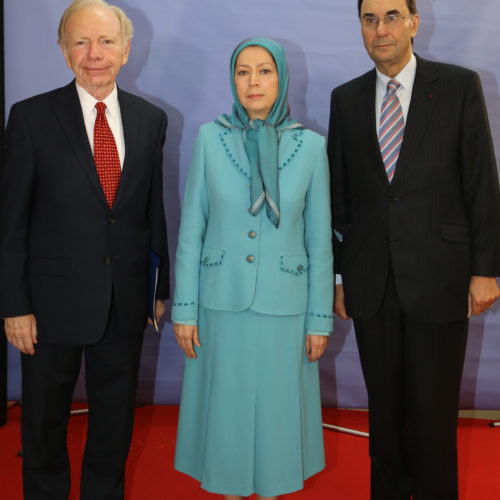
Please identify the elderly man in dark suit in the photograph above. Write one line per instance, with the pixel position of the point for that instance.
(416, 209)
(81, 208)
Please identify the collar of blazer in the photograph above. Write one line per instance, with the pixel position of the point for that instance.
(290, 143)
(424, 96)
(69, 113)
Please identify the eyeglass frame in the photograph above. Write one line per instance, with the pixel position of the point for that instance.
(397, 15)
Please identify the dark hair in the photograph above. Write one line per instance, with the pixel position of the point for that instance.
(412, 6)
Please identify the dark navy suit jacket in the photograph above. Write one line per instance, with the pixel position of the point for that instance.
(64, 254)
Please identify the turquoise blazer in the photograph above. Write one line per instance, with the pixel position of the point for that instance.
(229, 260)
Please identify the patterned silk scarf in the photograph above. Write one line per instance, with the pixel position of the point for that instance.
(261, 138)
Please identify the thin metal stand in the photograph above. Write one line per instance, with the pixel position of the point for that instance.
(83, 411)
(345, 430)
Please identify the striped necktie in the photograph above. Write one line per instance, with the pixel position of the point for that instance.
(106, 158)
(391, 129)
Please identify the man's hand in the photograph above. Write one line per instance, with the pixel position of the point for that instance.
(21, 332)
(315, 346)
(186, 336)
(483, 292)
(159, 311)
(339, 304)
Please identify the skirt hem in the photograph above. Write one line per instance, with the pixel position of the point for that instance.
(246, 491)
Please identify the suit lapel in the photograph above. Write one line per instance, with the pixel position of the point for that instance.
(234, 149)
(289, 147)
(130, 125)
(366, 119)
(423, 98)
(69, 113)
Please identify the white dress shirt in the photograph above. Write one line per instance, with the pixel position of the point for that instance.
(405, 77)
(113, 116)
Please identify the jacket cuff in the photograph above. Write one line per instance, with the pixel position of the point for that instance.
(319, 322)
(186, 310)
(315, 332)
(192, 322)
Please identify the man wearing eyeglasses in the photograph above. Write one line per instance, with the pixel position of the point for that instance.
(416, 206)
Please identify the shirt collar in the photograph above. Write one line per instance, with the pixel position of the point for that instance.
(88, 102)
(405, 77)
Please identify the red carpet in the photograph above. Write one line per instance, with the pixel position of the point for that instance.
(150, 474)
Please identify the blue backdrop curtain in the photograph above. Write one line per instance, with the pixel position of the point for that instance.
(3, 343)
(179, 61)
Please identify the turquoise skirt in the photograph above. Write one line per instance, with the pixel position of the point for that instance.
(250, 414)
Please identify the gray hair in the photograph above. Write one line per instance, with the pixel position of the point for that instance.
(127, 28)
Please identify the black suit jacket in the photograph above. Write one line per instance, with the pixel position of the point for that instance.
(64, 255)
(438, 222)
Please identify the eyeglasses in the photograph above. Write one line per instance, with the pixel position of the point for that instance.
(390, 21)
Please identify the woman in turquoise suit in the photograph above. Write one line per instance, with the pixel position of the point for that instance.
(254, 285)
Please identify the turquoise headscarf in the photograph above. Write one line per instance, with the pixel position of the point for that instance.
(262, 137)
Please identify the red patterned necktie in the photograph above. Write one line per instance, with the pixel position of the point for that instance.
(106, 158)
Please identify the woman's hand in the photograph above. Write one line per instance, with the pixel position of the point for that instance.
(186, 336)
(315, 346)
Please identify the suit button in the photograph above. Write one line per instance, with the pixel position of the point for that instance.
(107, 260)
(250, 258)
(252, 234)
(205, 260)
(111, 220)
(300, 268)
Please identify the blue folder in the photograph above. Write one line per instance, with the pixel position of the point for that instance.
(154, 267)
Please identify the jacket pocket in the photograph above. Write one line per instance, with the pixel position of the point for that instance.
(211, 257)
(216, 280)
(294, 264)
(53, 266)
(452, 232)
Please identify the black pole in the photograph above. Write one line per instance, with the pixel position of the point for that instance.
(3, 342)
